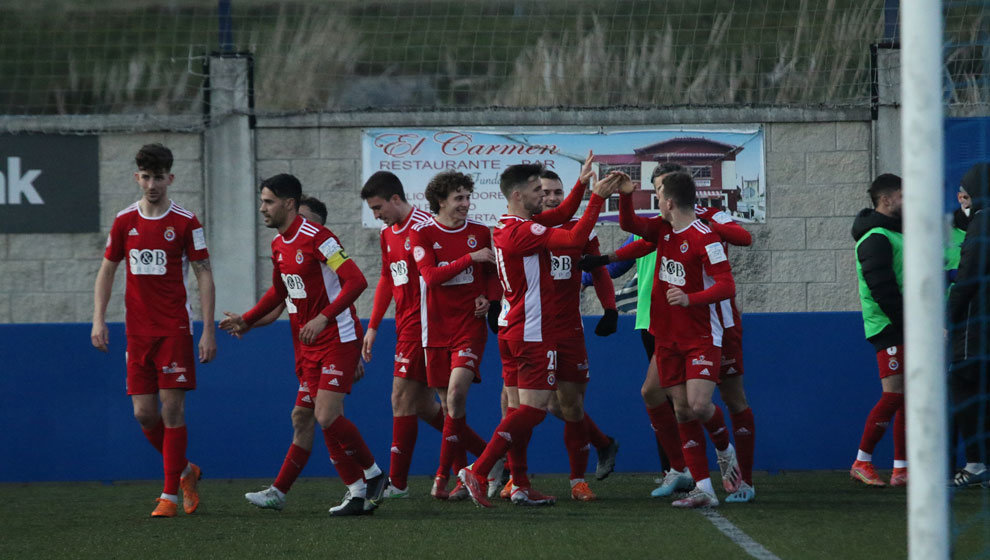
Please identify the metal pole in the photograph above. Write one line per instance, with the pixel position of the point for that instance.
(924, 318)
(225, 27)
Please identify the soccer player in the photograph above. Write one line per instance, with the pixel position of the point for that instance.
(303, 421)
(573, 372)
(457, 279)
(529, 355)
(158, 237)
(879, 254)
(693, 275)
(312, 270)
(967, 308)
(411, 396)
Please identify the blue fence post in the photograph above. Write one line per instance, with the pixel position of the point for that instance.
(225, 27)
(890, 30)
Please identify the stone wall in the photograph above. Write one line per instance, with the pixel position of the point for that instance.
(801, 258)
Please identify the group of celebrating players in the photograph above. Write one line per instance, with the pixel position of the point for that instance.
(452, 280)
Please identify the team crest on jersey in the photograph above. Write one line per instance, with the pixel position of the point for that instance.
(407, 244)
(170, 233)
(551, 379)
(299, 256)
(684, 246)
(893, 364)
(472, 241)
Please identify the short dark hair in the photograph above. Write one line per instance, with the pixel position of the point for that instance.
(284, 186)
(442, 184)
(679, 187)
(316, 206)
(155, 158)
(515, 176)
(665, 168)
(883, 184)
(547, 174)
(383, 184)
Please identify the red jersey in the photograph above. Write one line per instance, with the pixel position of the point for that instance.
(399, 279)
(311, 269)
(567, 285)
(450, 281)
(158, 252)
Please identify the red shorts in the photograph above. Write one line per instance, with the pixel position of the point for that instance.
(679, 362)
(303, 398)
(440, 361)
(732, 354)
(528, 365)
(160, 362)
(572, 360)
(891, 361)
(410, 361)
(330, 368)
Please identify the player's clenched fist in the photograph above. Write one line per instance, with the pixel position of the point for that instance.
(676, 296)
(483, 255)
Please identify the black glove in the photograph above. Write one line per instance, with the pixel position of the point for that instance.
(591, 262)
(608, 324)
(494, 310)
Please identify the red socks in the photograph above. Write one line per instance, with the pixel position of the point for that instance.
(595, 436)
(693, 436)
(347, 434)
(879, 419)
(347, 467)
(717, 430)
(156, 435)
(514, 430)
(471, 441)
(450, 447)
(173, 457)
(665, 427)
(744, 431)
(294, 462)
(404, 431)
(900, 440)
(576, 442)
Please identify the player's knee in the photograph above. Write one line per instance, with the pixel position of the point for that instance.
(653, 396)
(571, 413)
(147, 417)
(173, 413)
(302, 419)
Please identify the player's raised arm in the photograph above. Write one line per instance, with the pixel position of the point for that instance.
(100, 334)
(569, 206)
(559, 239)
(726, 228)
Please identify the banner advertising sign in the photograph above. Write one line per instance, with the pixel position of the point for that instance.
(49, 184)
(727, 163)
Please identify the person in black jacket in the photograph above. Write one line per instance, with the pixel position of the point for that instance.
(968, 306)
(879, 258)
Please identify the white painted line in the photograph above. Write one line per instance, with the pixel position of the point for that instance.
(736, 535)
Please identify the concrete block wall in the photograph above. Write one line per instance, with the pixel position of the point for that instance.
(48, 278)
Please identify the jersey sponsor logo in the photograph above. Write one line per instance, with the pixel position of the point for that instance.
(684, 246)
(403, 369)
(334, 382)
(893, 364)
(199, 239)
(467, 353)
(705, 372)
(306, 398)
(133, 231)
(731, 371)
(537, 229)
(182, 379)
(560, 267)
(892, 351)
(330, 247)
(727, 361)
(505, 435)
(174, 367)
(331, 370)
(690, 443)
(716, 253)
(294, 285)
(299, 256)
(170, 233)
(400, 273)
(721, 217)
(280, 257)
(395, 450)
(419, 253)
(583, 366)
(666, 237)
(401, 358)
(743, 432)
(472, 241)
(436, 245)
(470, 363)
(465, 276)
(672, 272)
(151, 262)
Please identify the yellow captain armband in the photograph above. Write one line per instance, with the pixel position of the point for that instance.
(334, 253)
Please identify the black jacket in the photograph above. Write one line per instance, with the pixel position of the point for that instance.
(969, 298)
(876, 258)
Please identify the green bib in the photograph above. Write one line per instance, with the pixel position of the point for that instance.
(874, 319)
(645, 269)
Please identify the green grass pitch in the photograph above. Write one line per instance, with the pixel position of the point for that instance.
(796, 515)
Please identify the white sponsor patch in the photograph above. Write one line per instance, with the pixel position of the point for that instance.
(716, 253)
(418, 253)
(537, 229)
(199, 239)
(330, 247)
(721, 217)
